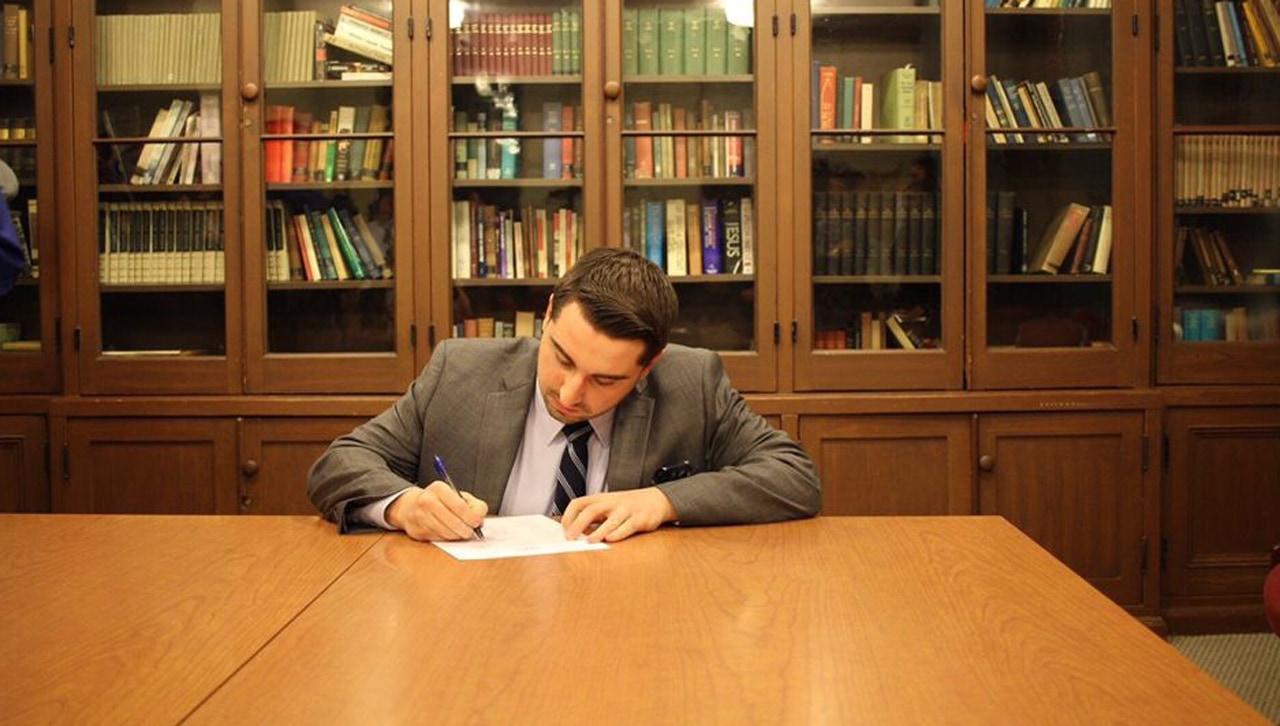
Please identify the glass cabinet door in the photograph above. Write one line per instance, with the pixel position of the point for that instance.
(159, 296)
(1052, 198)
(28, 361)
(512, 154)
(1218, 244)
(328, 297)
(697, 191)
(879, 293)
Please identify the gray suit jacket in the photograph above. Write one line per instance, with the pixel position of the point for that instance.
(469, 405)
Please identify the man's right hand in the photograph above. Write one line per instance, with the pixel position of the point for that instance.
(436, 513)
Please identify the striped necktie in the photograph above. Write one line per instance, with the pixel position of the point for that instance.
(571, 477)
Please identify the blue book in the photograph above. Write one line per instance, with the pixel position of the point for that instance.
(712, 238)
(1242, 50)
(551, 146)
(655, 225)
(1211, 324)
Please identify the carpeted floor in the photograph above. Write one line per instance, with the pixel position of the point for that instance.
(1246, 663)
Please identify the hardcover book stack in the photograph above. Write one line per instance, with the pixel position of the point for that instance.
(1226, 170)
(898, 99)
(312, 159)
(161, 243)
(913, 329)
(513, 244)
(684, 156)
(688, 237)
(1038, 110)
(334, 243)
(1227, 33)
(191, 52)
(684, 41)
(518, 44)
(173, 162)
(876, 233)
(527, 324)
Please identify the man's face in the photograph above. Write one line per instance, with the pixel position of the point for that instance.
(581, 371)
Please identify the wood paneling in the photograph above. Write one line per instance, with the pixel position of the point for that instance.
(149, 466)
(24, 479)
(275, 456)
(897, 465)
(1074, 483)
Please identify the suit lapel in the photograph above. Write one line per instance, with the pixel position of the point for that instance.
(630, 439)
(502, 427)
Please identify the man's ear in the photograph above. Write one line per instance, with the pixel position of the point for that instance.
(652, 363)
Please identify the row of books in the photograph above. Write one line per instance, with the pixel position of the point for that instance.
(173, 162)
(876, 233)
(684, 41)
(499, 158)
(1048, 3)
(1228, 170)
(518, 44)
(686, 157)
(158, 48)
(703, 237)
(509, 244)
(328, 159)
(330, 244)
(15, 43)
(1072, 102)
(526, 324)
(1221, 324)
(1214, 260)
(25, 226)
(1077, 240)
(22, 159)
(898, 100)
(161, 243)
(880, 330)
(297, 46)
(1227, 33)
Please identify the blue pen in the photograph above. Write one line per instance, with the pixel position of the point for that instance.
(443, 473)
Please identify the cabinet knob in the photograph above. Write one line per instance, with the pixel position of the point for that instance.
(246, 503)
(249, 91)
(612, 89)
(986, 462)
(978, 84)
(249, 467)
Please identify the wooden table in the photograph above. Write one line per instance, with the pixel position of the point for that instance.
(833, 620)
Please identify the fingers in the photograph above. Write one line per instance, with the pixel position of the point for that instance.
(440, 513)
(617, 515)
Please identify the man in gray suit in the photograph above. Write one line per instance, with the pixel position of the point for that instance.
(669, 439)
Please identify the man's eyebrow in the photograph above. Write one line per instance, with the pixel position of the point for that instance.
(605, 376)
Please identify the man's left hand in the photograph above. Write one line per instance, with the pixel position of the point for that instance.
(617, 515)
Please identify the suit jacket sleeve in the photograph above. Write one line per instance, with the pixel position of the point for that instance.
(751, 471)
(379, 458)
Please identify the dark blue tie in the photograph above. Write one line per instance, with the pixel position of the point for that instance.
(571, 478)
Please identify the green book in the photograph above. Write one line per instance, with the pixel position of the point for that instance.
(717, 43)
(647, 40)
(559, 43)
(349, 253)
(574, 59)
(739, 50)
(898, 101)
(847, 89)
(695, 41)
(671, 41)
(630, 57)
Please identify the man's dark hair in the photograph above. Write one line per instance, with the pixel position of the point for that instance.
(623, 295)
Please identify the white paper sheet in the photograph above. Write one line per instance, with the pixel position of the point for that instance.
(521, 536)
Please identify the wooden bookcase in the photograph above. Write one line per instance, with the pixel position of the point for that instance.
(1018, 391)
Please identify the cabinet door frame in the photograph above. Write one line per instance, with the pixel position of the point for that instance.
(256, 433)
(103, 374)
(823, 370)
(1116, 363)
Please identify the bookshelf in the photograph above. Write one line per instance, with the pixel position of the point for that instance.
(28, 315)
(1218, 213)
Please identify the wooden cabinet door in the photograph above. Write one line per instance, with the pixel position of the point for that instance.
(149, 466)
(892, 465)
(1223, 500)
(275, 456)
(1072, 482)
(24, 479)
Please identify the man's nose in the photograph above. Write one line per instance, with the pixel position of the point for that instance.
(572, 388)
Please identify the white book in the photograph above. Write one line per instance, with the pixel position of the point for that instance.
(868, 120)
(677, 244)
(748, 236)
(1102, 255)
